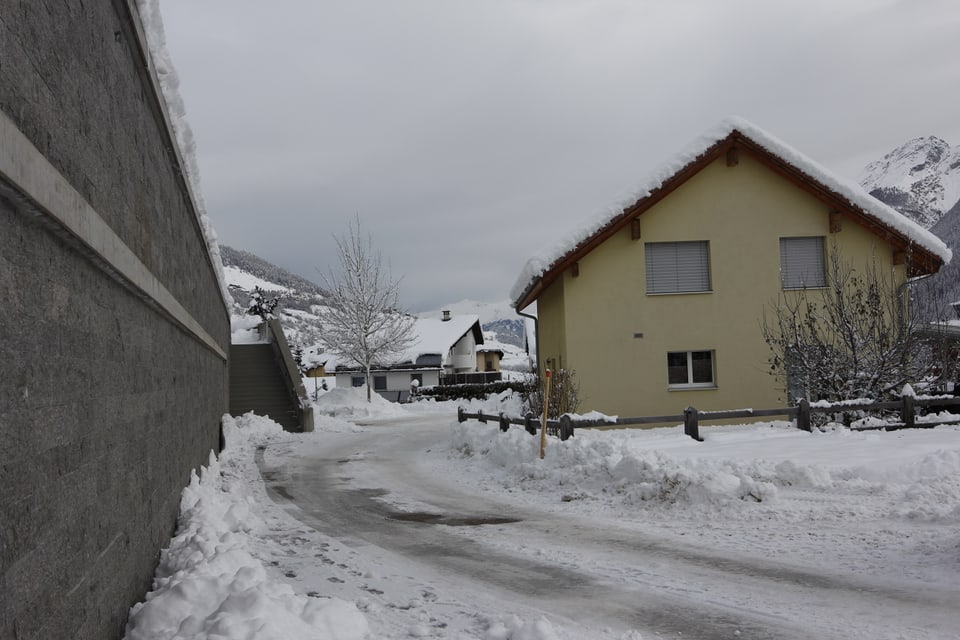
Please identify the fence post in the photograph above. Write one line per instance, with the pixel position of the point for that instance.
(482, 418)
(504, 422)
(803, 414)
(907, 412)
(460, 416)
(528, 423)
(546, 408)
(691, 425)
(566, 427)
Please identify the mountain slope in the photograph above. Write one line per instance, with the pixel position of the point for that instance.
(302, 305)
(920, 178)
(300, 299)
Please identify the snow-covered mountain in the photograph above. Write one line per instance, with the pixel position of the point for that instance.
(302, 303)
(300, 299)
(920, 178)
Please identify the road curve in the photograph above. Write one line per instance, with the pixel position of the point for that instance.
(596, 573)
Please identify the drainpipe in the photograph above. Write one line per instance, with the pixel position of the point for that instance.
(536, 330)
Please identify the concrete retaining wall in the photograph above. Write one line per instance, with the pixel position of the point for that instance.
(113, 372)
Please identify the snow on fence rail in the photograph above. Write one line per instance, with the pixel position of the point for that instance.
(691, 418)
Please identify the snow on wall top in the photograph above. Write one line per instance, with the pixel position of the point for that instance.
(169, 83)
(547, 257)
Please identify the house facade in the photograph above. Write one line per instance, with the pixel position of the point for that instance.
(444, 350)
(659, 306)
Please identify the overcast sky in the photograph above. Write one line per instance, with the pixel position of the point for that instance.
(466, 135)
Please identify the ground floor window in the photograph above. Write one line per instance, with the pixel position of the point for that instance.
(690, 369)
(418, 377)
(356, 381)
(379, 383)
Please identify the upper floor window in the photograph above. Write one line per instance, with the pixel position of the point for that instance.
(678, 267)
(802, 263)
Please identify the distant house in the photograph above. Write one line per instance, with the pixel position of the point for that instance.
(488, 358)
(657, 305)
(444, 352)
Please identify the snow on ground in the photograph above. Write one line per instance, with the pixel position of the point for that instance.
(237, 277)
(213, 582)
(884, 503)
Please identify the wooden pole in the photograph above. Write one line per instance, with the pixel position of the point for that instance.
(543, 426)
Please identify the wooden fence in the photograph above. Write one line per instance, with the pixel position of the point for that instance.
(691, 418)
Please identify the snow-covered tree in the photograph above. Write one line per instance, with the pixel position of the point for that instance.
(855, 338)
(365, 324)
(262, 306)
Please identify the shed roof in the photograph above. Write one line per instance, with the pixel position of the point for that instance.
(927, 253)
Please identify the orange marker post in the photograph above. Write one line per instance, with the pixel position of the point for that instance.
(543, 426)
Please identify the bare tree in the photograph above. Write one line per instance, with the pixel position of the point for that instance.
(365, 324)
(564, 393)
(853, 339)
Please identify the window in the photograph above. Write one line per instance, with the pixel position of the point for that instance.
(356, 381)
(418, 377)
(691, 369)
(802, 263)
(379, 383)
(677, 267)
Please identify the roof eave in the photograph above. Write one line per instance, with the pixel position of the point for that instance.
(920, 261)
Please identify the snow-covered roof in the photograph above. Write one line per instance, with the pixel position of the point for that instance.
(540, 269)
(433, 336)
(436, 336)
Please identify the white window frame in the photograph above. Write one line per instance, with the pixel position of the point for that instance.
(690, 384)
(678, 267)
(803, 263)
(380, 382)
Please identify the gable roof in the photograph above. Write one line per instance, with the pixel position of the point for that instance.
(436, 336)
(927, 253)
(431, 337)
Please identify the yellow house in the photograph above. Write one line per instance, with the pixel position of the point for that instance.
(657, 305)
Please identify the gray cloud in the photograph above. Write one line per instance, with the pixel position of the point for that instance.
(468, 135)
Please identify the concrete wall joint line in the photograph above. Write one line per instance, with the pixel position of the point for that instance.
(25, 168)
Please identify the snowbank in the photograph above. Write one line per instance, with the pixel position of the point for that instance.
(351, 402)
(916, 471)
(210, 584)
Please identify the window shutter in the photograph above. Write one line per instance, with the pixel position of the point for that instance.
(802, 263)
(677, 267)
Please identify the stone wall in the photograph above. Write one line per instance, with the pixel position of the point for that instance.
(107, 398)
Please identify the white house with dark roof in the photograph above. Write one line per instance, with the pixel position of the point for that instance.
(444, 351)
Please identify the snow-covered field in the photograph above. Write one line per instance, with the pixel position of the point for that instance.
(883, 506)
